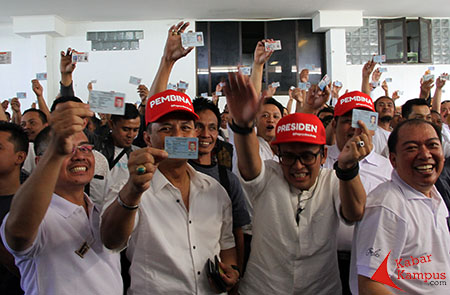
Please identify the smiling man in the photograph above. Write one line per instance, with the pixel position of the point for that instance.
(207, 127)
(171, 217)
(297, 204)
(405, 218)
(53, 228)
(117, 146)
(32, 121)
(266, 120)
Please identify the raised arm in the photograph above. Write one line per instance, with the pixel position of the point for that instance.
(261, 56)
(315, 98)
(440, 83)
(16, 113)
(2, 112)
(367, 286)
(351, 191)
(66, 68)
(31, 201)
(118, 219)
(39, 91)
(243, 103)
(366, 71)
(173, 51)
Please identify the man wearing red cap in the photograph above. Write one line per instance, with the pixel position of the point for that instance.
(297, 204)
(173, 218)
(373, 169)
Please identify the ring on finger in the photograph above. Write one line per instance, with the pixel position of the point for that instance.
(140, 169)
(360, 143)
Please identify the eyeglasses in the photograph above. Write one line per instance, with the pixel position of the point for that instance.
(83, 148)
(306, 158)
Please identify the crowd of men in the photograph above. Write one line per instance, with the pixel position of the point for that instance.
(280, 200)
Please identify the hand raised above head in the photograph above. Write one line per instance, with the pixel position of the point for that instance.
(356, 148)
(66, 120)
(242, 100)
(174, 50)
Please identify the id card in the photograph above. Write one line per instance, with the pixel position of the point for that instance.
(375, 84)
(304, 86)
(171, 86)
(324, 82)
(369, 118)
(41, 76)
(204, 94)
(93, 81)
(181, 147)
(183, 85)
(399, 92)
(382, 70)
(275, 84)
(272, 46)
(218, 93)
(309, 67)
(379, 58)
(135, 80)
(5, 57)
(21, 95)
(388, 80)
(245, 71)
(192, 39)
(444, 77)
(431, 68)
(428, 77)
(107, 102)
(338, 84)
(80, 57)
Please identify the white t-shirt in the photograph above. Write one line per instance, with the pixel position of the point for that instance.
(169, 246)
(287, 258)
(405, 223)
(380, 140)
(29, 164)
(51, 266)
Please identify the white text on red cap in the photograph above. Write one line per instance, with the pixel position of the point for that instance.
(356, 98)
(297, 127)
(168, 98)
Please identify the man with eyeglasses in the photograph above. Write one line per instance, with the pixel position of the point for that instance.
(297, 204)
(52, 229)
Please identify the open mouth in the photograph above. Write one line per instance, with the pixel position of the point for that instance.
(424, 168)
(270, 127)
(204, 144)
(78, 169)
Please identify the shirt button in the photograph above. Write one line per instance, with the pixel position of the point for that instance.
(193, 247)
(198, 273)
(178, 201)
(190, 221)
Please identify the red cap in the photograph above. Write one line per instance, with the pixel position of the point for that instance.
(353, 100)
(166, 102)
(300, 127)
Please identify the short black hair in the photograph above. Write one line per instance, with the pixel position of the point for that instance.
(273, 101)
(41, 141)
(381, 97)
(327, 109)
(64, 99)
(435, 112)
(17, 137)
(41, 114)
(201, 104)
(407, 107)
(131, 112)
(393, 138)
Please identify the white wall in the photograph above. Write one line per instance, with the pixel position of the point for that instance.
(111, 69)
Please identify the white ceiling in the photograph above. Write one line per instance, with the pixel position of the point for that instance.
(120, 10)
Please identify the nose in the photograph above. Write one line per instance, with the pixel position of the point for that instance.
(424, 152)
(297, 164)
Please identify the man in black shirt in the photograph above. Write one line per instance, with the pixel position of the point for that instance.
(13, 152)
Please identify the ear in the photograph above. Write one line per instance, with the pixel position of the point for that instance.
(334, 123)
(147, 138)
(393, 159)
(325, 153)
(20, 157)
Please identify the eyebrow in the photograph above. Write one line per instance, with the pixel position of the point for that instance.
(415, 142)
